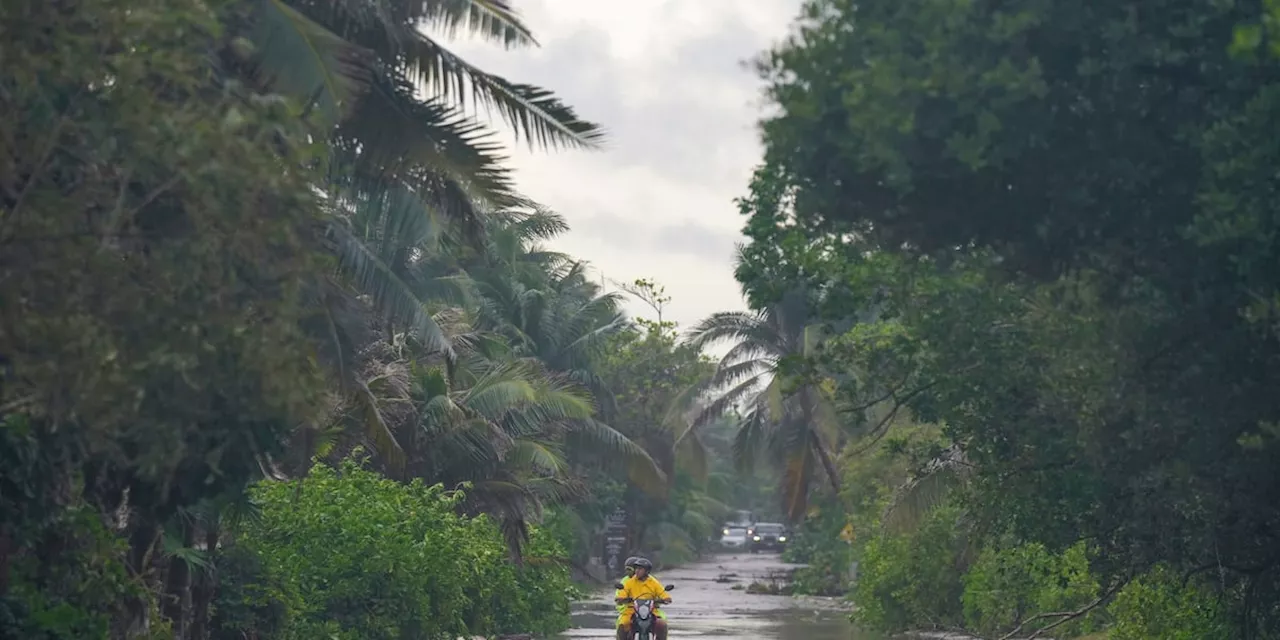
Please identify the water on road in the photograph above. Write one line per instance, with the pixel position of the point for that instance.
(706, 606)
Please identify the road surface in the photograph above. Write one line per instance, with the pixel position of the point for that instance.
(703, 608)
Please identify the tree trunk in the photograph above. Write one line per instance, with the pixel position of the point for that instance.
(828, 464)
(7, 550)
(142, 540)
(177, 588)
(205, 587)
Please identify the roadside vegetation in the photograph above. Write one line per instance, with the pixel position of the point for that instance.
(284, 354)
(1014, 271)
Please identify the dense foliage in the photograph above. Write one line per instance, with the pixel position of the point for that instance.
(348, 553)
(282, 354)
(1046, 228)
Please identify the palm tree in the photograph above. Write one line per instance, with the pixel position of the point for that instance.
(795, 427)
(397, 99)
(407, 165)
(926, 490)
(500, 424)
(542, 302)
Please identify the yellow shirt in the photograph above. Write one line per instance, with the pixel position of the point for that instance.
(647, 589)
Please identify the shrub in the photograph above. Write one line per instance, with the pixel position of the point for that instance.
(1008, 585)
(353, 555)
(908, 580)
(1160, 606)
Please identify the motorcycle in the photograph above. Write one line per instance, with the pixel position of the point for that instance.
(642, 618)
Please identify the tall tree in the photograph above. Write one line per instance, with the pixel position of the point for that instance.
(1060, 211)
(796, 428)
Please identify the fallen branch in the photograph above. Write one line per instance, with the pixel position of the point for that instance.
(1063, 616)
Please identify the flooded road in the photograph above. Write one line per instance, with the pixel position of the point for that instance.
(706, 606)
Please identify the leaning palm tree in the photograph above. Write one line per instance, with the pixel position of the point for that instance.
(397, 101)
(791, 423)
(500, 425)
(407, 163)
(542, 302)
(927, 489)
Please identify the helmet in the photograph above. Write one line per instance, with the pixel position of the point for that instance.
(631, 562)
(643, 563)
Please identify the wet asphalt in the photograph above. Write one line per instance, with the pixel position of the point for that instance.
(706, 606)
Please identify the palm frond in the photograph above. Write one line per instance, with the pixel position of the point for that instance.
(432, 144)
(544, 457)
(295, 56)
(534, 114)
(641, 467)
(498, 394)
(540, 224)
(735, 325)
(726, 400)
(493, 20)
(748, 442)
(392, 297)
(913, 500)
(692, 456)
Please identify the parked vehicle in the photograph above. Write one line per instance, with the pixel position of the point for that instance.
(734, 538)
(742, 519)
(767, 536)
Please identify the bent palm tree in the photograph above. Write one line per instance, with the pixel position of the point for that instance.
(795, 428)
(500, 425)
(926, 490)
(405, 161)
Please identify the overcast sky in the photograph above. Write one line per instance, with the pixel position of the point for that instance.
(666, 80)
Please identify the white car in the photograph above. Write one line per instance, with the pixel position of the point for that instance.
(733, 538)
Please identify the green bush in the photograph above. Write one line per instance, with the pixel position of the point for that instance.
(1160, 606)
(913, 580)
(1008, 585)
(349, 554)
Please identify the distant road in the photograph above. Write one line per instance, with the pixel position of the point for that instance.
(709, 610)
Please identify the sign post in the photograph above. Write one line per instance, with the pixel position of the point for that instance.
(615, 541)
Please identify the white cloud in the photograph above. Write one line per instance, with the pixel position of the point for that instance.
(666, 80)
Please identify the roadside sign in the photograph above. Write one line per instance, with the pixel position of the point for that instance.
(615, 540)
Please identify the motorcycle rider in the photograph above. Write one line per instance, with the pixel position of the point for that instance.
(642, 586)
(631, 571)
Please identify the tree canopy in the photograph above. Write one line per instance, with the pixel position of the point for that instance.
(1042, 226)
(282, 346)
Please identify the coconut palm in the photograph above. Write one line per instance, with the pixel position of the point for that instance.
(500, 425)
(927, 489)
(407, 164)
(542, 302)
(796, 428)
(398, 100)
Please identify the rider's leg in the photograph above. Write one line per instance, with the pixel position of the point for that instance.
(624, 628)
(659, 629)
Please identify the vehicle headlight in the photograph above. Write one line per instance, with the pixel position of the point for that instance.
(726, 532)
(782, 538)
(757, 538)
